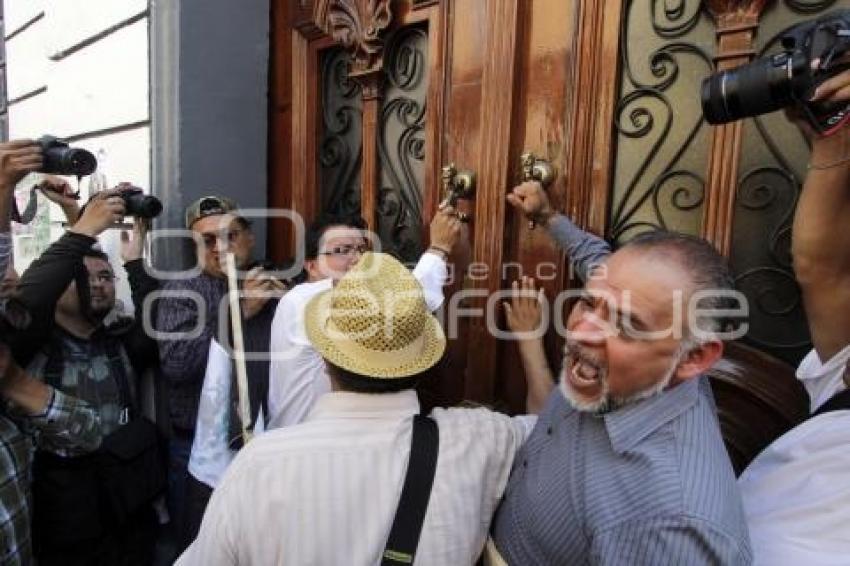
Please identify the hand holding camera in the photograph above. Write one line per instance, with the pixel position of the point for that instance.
(132, 247)
(813, 57)
(102, 211)
(17, 159)
(58, 190)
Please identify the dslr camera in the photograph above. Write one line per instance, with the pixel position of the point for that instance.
(136, 203)
(62, 159)
(786, 78)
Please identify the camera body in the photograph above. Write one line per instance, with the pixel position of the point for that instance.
(62, 159)
(138, 204)
(786, 78)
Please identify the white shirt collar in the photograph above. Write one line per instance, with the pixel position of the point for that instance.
(823, 380)
(368, 405)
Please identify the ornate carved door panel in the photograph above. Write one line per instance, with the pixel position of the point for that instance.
(371, 98)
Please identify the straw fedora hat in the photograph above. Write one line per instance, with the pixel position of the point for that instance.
(375, 322)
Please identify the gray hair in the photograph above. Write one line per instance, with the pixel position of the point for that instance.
(708, 271)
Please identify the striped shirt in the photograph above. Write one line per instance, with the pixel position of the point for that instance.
(325, 491)
(647, 484)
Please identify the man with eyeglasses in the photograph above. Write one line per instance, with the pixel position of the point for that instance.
(191, 307)
(69, 292)
(297, 373)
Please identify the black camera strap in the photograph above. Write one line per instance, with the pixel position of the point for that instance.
(28, 214)
(415, 493)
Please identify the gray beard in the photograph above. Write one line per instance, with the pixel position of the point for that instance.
(606, 403)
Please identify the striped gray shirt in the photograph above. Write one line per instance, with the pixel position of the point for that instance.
(649, 483)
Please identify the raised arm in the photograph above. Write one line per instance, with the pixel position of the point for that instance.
(61, 420)
(524, 314)
(17, 158)
(821, 238)
(583, 249)
(432, 269)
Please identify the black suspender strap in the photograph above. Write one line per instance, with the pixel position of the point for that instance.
(415, 493)
(838, 402)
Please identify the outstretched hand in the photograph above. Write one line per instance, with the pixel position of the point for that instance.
(524, 312)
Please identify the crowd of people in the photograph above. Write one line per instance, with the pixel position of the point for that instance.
(619, 459)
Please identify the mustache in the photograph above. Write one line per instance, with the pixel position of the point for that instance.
(577, 353)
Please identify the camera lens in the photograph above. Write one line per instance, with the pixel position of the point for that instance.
(61, 159)
(760, 87)
(141, 205)
(78, 162)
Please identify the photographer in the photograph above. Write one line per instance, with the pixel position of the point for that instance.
(29, 407)
(796, 493)
(92, 509)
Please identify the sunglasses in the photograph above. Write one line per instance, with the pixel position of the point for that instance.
(211, 239)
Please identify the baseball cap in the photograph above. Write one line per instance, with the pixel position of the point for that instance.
(209, 206)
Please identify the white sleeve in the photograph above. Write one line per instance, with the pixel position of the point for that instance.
(522, 426)
(432, 273)
(284, 338)
(297, 373)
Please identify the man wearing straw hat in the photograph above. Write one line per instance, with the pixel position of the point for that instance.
(327, 491)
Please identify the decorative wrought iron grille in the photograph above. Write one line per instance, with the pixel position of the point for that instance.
(662, 153)
(341, 138)
(773, 166)
(662, 142)
(401, 143)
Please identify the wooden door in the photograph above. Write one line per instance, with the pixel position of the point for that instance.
(606, 92)
(499, 76)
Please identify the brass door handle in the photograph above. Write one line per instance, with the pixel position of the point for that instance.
(457, 184)
(536, 169)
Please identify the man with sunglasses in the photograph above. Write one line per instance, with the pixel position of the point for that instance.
(297, 373)
(189, 313)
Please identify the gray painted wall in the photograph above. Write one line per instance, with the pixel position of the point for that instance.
(209, 100)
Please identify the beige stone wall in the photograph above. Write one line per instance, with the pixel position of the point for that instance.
(79, 69)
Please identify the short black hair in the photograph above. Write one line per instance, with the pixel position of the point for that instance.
(326, 220)
(97, 254)
(356, 383)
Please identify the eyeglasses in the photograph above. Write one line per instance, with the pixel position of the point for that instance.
(211, 240)
(346, 250)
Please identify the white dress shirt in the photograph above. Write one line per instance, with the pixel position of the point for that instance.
(297, 374)
(796, 493)
(324, 492)
(211, 453)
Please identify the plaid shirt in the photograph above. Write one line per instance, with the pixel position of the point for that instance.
(66, 421)
(5, 251)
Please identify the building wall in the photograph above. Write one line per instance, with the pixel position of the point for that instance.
(79, 70)
(209, 71)
(170, 95)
